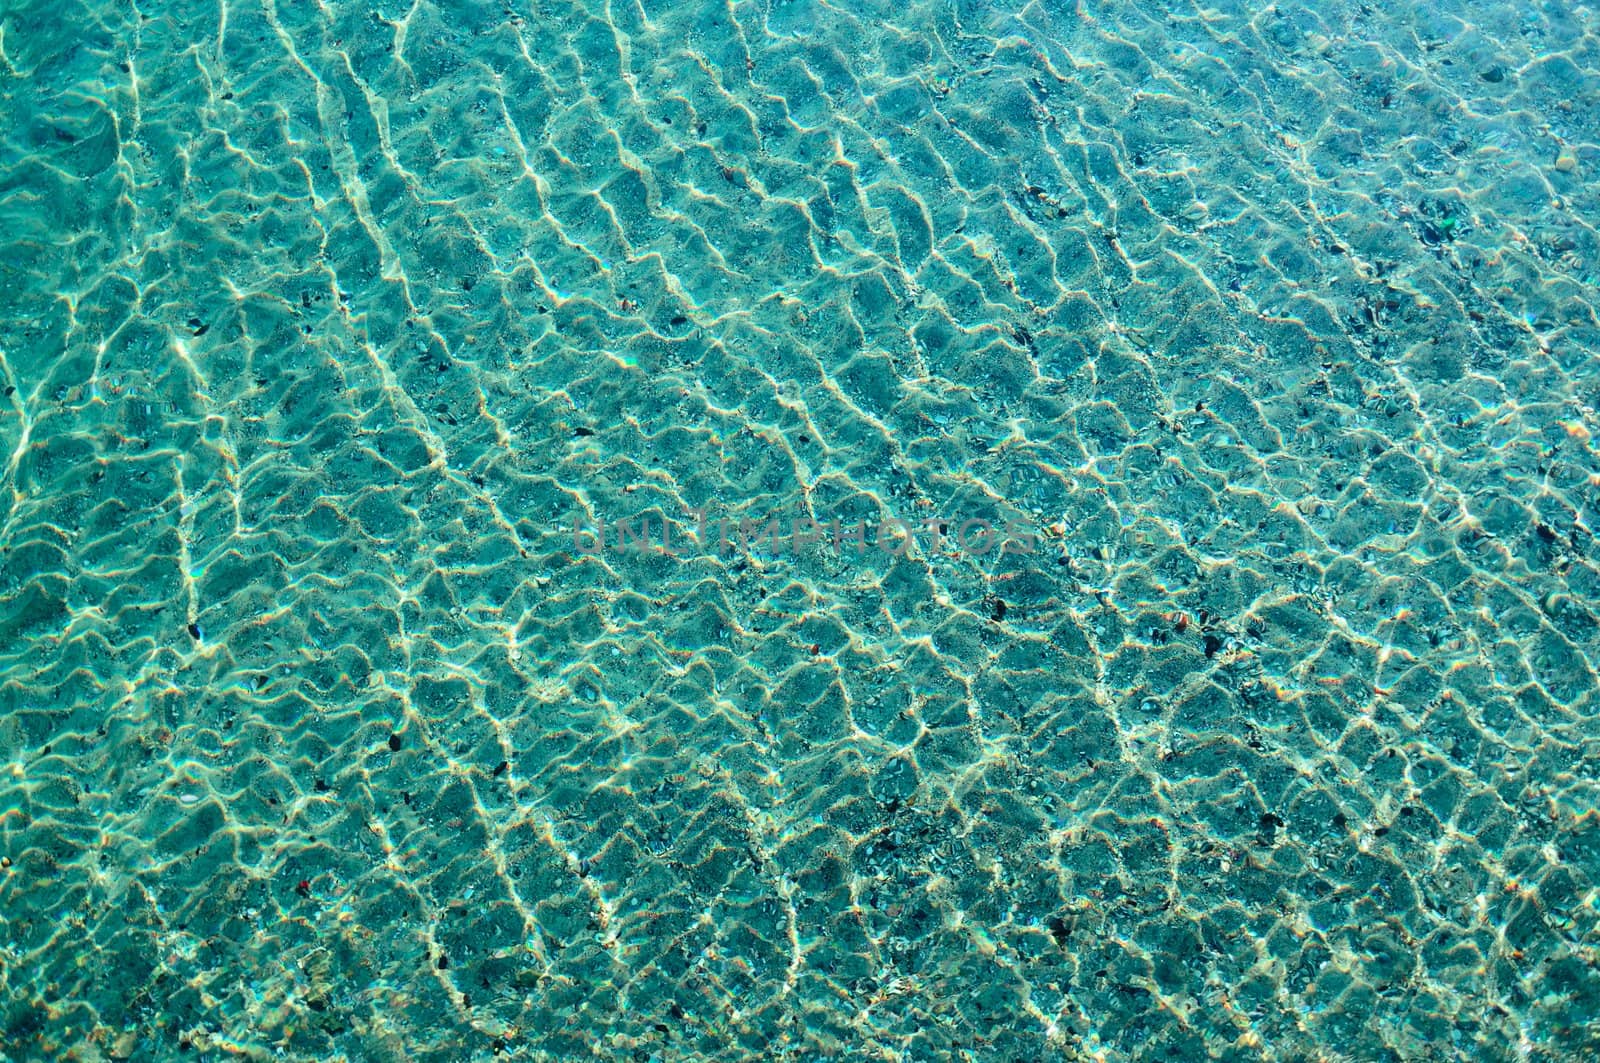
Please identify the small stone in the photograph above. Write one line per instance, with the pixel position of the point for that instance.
(1566, 162)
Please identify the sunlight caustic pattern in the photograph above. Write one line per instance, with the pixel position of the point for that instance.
(325, 325)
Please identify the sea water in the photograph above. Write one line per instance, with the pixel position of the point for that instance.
(799, 530)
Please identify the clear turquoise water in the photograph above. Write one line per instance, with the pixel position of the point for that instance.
(335, 336)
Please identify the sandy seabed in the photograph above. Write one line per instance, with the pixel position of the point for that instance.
(324, 327)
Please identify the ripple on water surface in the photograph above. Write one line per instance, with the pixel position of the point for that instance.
(1232, 370)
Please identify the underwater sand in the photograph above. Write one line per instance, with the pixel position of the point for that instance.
(334, 335)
